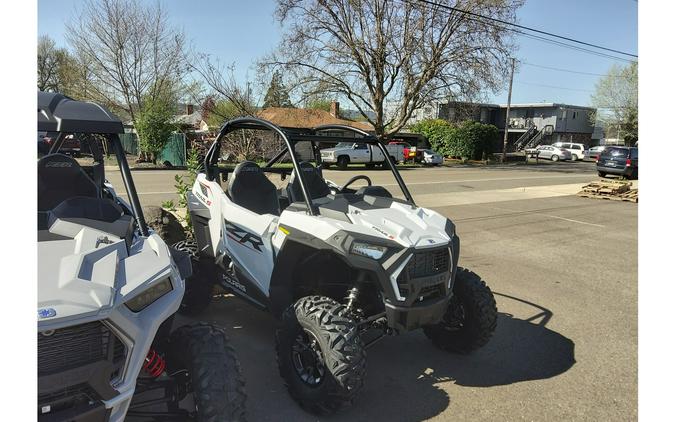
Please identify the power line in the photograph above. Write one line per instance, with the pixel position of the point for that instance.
(567, 70)
(555, 87)
(515, 25)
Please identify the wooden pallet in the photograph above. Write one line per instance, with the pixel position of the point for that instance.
(607, 187)
(628, 196)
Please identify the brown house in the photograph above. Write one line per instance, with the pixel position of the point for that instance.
(303, 118)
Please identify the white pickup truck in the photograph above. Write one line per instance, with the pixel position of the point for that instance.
(345, 153)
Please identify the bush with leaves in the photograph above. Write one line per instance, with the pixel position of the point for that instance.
(184, 184)
(468, 140)
(154, 127)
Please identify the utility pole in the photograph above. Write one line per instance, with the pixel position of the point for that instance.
(508, 110)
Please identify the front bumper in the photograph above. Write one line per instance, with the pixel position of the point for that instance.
(407, 318)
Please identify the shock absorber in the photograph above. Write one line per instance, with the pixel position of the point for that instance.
(154, 364)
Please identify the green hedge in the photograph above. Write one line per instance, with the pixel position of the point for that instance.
(467, 140)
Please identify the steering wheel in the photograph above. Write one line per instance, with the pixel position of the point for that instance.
(354, 179)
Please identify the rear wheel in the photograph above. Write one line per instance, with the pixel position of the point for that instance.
(602, 174)
(471, 317)
(554, 157)
(343, 162)
(320, 354)
(204, 353)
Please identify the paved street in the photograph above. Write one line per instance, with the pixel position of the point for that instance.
(564, 272)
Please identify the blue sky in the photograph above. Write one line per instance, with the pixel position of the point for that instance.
(241, 32)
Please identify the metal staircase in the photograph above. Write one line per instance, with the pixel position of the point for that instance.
(535, 140)
(524, 139)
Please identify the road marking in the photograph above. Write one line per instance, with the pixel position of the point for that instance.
(549, 216)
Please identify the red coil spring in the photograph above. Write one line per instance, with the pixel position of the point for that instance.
(154, 364)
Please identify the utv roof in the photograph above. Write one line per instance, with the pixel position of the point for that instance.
(58, 113)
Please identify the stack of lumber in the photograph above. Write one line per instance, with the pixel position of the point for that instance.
(617, 190)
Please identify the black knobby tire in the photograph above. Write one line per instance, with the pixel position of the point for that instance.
(479, 316)
(214, 373)
(343, 354)
(343, 162)
(199, 286)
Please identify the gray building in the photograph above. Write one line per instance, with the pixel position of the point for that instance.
(552, 122)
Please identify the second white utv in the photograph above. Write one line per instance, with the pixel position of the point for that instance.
(340, 266)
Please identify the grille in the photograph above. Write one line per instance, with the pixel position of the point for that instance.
(72, 347)
(68, 397)
(424, 264)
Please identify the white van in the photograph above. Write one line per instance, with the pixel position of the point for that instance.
(578, 151)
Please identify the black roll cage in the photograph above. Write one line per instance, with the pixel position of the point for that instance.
(62, 115)
(290, 139)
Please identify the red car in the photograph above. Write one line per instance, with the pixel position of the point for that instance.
(409, 151)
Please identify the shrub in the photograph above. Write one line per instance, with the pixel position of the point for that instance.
(468, 140)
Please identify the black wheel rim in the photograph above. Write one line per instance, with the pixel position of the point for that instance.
(455, 316)
(308, 359)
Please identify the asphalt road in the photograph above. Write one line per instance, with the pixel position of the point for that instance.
(564, 273)
(157, 186)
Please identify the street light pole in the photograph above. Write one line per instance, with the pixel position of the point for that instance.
(508, 110)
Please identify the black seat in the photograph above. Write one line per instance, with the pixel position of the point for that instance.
(60, 177)
(250, 188)
(316, 186)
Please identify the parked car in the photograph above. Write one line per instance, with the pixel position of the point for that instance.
(554, 153)
(578, 151)
(430, 156)
(345, 153)
(622, 161)
(409, 151)
(595, 152)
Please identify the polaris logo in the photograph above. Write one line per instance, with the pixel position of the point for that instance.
(59, 164)
(46, 313)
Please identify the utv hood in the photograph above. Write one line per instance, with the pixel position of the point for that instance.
(84, 273)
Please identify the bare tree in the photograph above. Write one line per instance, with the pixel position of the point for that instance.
(48, 60)
(132, 51)
(616, 97)
(392, 57)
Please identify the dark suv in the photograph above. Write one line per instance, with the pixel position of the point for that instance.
(622, 161)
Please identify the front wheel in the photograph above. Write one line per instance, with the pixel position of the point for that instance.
(602, 174)
(471, 317)
(320, 354)
(574, 157)
(554, 157)
(204, 353)
(343, 162)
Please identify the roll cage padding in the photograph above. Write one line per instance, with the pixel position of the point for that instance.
(60, 177)
(315, 183)
(251, 189)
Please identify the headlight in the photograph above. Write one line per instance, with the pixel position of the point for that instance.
(368, 250)
(149, 295)
(450, 228)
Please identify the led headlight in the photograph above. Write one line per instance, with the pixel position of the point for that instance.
(368, 250)
(149, 295)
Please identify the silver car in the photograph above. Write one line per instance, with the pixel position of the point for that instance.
(554, 153)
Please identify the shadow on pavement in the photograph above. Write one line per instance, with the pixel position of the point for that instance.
(408, 379)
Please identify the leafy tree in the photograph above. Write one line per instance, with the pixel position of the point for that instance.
(277, 94)
(391, 58)
(616, 97)
(437, 131)
(154, 125)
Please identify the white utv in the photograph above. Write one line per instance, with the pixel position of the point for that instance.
(341, 267)
(107, 291)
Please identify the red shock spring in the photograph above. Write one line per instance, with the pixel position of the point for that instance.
(154, 364)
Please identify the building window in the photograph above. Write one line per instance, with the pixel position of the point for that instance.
(564, 114)
(574, 115)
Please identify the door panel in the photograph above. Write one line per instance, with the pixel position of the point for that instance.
(248, 238)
